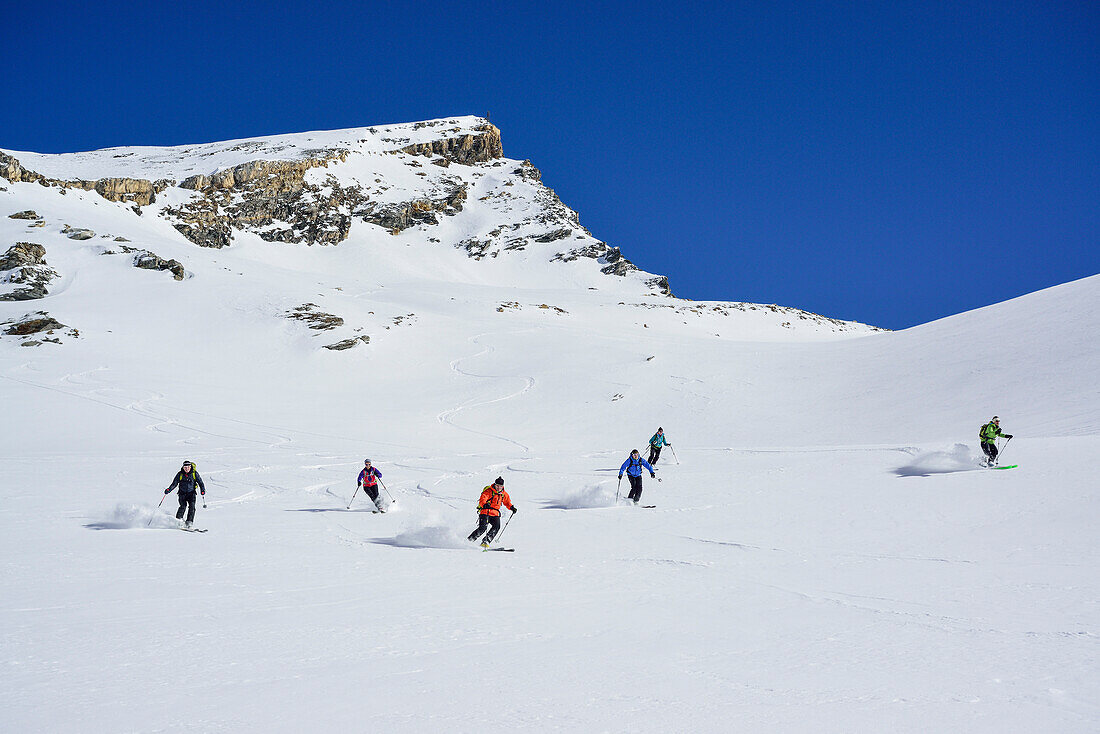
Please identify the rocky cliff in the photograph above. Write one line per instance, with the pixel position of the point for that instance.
(315, 188)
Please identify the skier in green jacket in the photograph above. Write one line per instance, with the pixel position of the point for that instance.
(988, 434)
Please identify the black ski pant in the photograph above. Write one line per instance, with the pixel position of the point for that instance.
(654, 453)
(372, 492)
(635, 488)
(493, 521)
(187, 503)
(990, 450)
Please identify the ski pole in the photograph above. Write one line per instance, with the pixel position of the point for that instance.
(353, 495)
(617, 486)
(674, 454)
(1002, 451)
(505, 526)
(387, 490)
(158, 507)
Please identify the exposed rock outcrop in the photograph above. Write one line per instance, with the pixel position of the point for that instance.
(77, 233)
(313, 318)
(266, 177)
(138, 191)
(348, 343)
(396, 217)
(25, 264)
(260, 196)
(479, 147)
(34, 324)
(147, 260)
(23, 253)
(27, 214)
(151, 261)
(273, 200)
(40, 324)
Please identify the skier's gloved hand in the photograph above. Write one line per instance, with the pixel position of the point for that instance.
(168, 490)
(620, 477)
(203, 493)
(1008, 435)
(514, 509)
(652, 475)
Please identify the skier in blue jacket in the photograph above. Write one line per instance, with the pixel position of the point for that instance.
(633, 468)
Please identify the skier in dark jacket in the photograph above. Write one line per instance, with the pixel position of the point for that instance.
(633, 468)
(368, 479)
(655, 445)
(187, 479)
(988, 434)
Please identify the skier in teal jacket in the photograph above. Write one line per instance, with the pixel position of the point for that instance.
(655, 445)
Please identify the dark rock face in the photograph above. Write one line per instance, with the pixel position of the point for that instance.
(25, 263)
(77, 233)
(616, 263)
(314, 319)
(258, 194)
(396, 217)
(557, 234)
(23, 253)
(151, 261)
(348, 343)
(475, 148)
(211, 234)
(28, 214)
(660, 283)
(37, 323)
(527, 171)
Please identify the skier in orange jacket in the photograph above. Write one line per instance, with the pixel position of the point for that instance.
(488, 507)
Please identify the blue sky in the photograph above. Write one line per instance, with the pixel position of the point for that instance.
(892, 163)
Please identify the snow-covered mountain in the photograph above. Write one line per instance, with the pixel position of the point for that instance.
(824, 552)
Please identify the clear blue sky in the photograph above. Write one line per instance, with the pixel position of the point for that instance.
(890, 162)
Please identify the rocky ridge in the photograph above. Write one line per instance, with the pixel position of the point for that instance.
(304, 197)
(138, 191)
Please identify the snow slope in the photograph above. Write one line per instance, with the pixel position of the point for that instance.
(823, 554)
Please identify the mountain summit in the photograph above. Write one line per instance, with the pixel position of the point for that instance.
(311, 188)
(432, 201)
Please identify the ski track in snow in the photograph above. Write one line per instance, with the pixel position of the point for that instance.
(447, 416)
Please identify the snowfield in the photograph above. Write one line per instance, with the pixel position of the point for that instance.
(825, 553)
